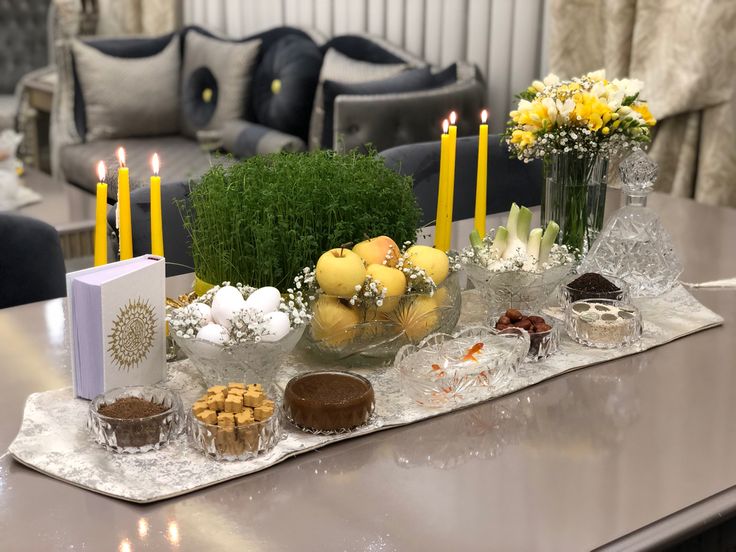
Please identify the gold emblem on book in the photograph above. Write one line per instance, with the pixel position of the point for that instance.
(132, 334)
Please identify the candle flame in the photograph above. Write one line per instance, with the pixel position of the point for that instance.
(155, 163)
(453, 117)
(101, 171)
(121, 156)
(484, 116)
(445, 126)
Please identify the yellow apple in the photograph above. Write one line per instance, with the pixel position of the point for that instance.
(339, 271)
(333, 323)
(417, 318)
(392, 280)
(433, 261)
(377, 250)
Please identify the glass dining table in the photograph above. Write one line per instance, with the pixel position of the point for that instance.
(626, 454)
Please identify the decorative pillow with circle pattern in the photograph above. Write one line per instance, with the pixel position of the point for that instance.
(284, 84)
(215, 80)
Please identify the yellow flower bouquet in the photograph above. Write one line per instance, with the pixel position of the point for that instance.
(575, 126)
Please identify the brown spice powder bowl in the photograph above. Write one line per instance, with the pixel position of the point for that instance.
(133, 435)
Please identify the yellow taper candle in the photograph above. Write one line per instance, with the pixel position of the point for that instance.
(439, 229)
(101, 217)
(451, 154)
(481, 183)
(157, 232)
(125, 230)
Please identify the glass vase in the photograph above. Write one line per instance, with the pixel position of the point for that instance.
(574, 196)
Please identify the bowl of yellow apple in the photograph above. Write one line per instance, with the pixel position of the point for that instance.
(371, 300)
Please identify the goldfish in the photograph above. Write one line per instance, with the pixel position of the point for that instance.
(475, 349)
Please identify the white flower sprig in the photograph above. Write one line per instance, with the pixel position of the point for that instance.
(185, 321)
(247, 325)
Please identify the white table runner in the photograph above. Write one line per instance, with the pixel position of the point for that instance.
(53, 438)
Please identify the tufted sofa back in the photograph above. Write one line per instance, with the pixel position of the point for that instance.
(22, 40)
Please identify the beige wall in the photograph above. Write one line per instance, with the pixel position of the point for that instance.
(503, 37)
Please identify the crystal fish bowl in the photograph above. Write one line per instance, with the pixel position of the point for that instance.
(248, 361)
(463, 368)
(517, 289)
(364, 335)
(133, 435)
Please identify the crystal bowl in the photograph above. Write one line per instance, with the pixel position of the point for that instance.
(371, 335)
(466, 367)
(518, 289)
(541, 344)
(132, 435)
(257, 362)
(234, 443)
(569, 295)
(603, 323)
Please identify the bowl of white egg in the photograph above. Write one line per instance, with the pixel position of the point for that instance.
(239, 333)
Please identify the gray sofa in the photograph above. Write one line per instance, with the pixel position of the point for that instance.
(381, 120)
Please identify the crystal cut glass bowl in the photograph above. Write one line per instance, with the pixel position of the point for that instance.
(366, 334)
(237, 442)
(240, 362)
(462, 368)
(133, 435)
(541, 344)
(518, 289)
(568, 294)
(602, 323)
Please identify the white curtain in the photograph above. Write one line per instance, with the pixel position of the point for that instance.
(503, 37)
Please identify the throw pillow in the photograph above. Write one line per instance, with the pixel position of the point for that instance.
(128, 96)
(215, 79)
(338, 66)
(284, 85)
(364, 49)
(407, 81)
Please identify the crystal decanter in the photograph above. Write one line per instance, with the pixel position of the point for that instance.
(634, 244)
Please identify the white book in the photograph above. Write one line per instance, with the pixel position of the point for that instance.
(117, 320)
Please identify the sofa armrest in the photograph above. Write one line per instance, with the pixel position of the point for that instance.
(63, 130)
(388, 120)
(245, 139)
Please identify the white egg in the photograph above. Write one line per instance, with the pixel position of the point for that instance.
(226, 303)
(276, 325)
(265, 299)
(213, 333)
(203, 311)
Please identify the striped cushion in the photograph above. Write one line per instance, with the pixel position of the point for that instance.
(244, 139)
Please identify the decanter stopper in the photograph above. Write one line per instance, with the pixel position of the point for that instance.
(638, 173)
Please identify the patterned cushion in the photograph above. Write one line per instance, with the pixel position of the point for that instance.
(128, 96)
(284, 85)
(181, 160)
(215, 81)
(337, 66)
